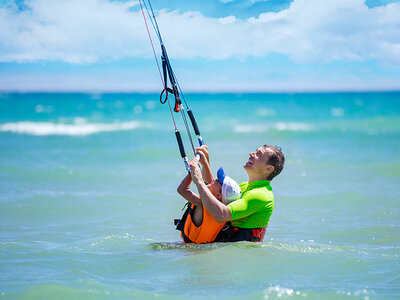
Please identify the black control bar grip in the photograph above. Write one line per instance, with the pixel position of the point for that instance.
(194, 123)
(180, 143)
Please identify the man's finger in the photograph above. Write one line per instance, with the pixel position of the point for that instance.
(204, 148)
(199, 151)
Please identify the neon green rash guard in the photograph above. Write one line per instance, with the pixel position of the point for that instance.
(255, 207)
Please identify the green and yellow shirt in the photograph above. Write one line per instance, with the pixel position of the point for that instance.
(255, 207)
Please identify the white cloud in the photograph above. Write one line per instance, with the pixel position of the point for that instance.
(308, 31)
(71, 30)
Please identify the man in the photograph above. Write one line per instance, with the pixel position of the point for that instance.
(249, 215)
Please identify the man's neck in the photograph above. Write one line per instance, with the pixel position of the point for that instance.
(257, 177)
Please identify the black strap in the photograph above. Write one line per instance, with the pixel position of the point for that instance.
(236, 234)
(166, 90)
(180, 223)
(168, 73)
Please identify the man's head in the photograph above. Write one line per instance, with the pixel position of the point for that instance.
(265, 163)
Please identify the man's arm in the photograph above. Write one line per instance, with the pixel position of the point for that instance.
(219, 211)
(185, 192)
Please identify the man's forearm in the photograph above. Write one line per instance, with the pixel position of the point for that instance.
(206, 172)
(219, 211)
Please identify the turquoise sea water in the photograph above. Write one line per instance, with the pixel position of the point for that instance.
(88, 196)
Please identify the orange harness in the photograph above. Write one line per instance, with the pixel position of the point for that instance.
(206, 232)
(210, 231)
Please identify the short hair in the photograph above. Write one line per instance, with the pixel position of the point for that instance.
(276, 159)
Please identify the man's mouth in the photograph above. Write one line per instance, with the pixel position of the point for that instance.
(249, 162)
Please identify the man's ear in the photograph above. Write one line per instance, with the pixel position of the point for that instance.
(269, 169)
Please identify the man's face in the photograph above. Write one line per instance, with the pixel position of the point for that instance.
(257, 163)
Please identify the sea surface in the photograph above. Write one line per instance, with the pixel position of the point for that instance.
(88, 197)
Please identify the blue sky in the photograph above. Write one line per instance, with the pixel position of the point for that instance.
(214, 46)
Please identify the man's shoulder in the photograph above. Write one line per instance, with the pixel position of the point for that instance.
(257, 190)
(263, 193)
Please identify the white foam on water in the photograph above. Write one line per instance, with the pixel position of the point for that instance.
(281, 292)
(359, 293)
(78, 128)
(280, 126)
(293, 126)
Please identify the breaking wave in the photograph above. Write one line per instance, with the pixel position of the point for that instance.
(280, 126)
(78, 128)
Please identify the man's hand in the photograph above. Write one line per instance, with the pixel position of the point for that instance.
(196, 172)
(204, 160)
(204, 150)
(203, 157)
